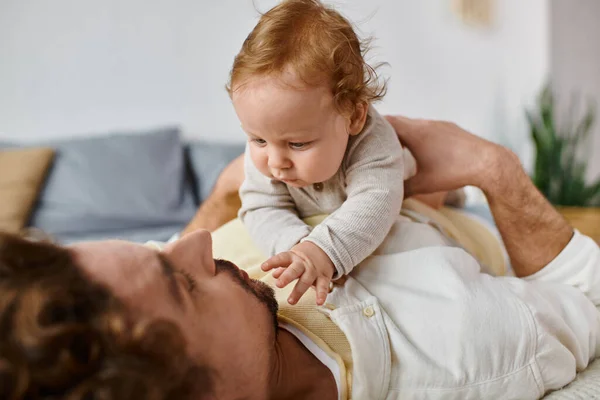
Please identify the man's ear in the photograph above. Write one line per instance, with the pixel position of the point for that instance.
(358, 120)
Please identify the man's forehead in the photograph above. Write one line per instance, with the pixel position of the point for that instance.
(116, 248)
(107, 259)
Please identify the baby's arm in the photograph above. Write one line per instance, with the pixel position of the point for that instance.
(268, 212)
(374, 177)
(375, 189)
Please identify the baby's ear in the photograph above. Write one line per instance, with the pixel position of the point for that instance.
(358, 120)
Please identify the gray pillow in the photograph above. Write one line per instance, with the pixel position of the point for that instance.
(207, 160)
(116, 182)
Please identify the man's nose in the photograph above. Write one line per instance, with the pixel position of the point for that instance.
(192, 252)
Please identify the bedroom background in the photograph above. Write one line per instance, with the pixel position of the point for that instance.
(73, 73)
(72, 68)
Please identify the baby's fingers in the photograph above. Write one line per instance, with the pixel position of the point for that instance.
(278, 260)
(277, 272)
(293, 272)
(305, 281)
(322, 289)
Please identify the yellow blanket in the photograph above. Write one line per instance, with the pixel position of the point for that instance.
(232, 242)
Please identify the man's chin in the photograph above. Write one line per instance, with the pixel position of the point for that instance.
(266, 295)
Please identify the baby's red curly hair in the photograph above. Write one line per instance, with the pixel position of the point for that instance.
(318, 44)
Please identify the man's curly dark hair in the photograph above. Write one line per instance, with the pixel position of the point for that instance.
(63, 336)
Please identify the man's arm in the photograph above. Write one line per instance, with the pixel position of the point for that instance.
(449, 158)
(223, 203)
(533, 232)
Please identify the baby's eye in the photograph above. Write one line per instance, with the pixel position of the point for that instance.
(260, 142)
(298, 145)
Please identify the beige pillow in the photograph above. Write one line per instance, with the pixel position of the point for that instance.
(22, 173)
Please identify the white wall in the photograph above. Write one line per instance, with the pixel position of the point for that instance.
(575, 60)
(72, 67)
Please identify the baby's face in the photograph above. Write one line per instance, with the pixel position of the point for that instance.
(296, 134)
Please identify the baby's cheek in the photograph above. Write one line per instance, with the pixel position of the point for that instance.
(325, 167)
(261, 163)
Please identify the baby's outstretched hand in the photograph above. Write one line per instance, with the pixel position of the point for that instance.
(305, 262)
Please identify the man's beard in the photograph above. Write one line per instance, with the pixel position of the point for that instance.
(263, 292)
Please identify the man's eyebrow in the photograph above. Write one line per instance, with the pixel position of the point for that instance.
(169, 273)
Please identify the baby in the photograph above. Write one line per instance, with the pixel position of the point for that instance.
(303, 92)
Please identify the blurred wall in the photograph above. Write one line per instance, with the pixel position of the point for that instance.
(71, 67)
(575, 58)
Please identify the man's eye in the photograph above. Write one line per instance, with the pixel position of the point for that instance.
(294, 145)
(188, 280)
(260, 142)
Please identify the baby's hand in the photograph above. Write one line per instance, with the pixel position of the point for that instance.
(305, 262)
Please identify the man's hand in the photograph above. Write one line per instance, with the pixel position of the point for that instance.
(305, 262)
(448, 157)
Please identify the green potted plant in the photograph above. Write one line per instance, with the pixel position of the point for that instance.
(562, 153)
